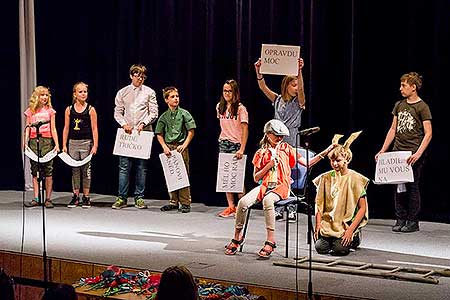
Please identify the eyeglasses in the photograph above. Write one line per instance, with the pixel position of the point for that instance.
(227, 91)
(141, 76)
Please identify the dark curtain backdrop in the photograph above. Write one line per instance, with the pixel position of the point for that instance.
(355, 53)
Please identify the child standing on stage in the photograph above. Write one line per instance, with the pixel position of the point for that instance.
(174, 131)
(288, 107)
(233, 117)
(80, 129)
(40, 111)
(272, 167)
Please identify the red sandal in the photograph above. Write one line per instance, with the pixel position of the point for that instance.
(264, 253)
(232, 247)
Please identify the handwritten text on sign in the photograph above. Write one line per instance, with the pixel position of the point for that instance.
(134, 144)
(279, 59)
(174, 171)
(392, 168)
(230, 173)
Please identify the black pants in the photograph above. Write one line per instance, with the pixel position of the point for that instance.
(407, 204)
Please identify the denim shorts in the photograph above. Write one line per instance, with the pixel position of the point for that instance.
(225, 146)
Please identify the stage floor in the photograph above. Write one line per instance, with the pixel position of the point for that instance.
(153, 240)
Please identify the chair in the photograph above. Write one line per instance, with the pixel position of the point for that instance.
(298, 176)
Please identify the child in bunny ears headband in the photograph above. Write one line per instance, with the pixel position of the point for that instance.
(341, 202)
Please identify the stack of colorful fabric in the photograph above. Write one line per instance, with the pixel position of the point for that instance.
(115, 281)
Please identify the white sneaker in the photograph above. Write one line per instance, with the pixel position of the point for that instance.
(292, 216)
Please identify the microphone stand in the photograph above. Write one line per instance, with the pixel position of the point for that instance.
(309, 205)
(41, 198)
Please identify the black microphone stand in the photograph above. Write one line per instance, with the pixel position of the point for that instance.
(41, 197)
(309, 205)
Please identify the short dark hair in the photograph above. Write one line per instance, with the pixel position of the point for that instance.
(138, 69)
(412, 78)
(60, 291)
(178, 283)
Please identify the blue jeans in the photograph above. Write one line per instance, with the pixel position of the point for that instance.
(125, 164)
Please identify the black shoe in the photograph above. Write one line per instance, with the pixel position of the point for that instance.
(398, 225)
(169, 207)
(410, 226)
(356, 240)
(74, 202)
(86, 202)
(185, 208)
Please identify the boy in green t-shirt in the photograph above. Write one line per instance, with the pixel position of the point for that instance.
(174, 131)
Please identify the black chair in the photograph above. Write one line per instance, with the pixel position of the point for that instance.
(298, 176)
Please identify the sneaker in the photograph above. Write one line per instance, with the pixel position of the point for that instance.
(139, 203)
(169, 207)
(48, 203)
(185, 208)
(398, 225)
(228, 212)
(74, 202)
(410, 226)
(86, 202)
(292, 216)
(33, 203)
(120, 203)
(278, 215)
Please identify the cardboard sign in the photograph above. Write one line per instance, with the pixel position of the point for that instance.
(134, 144)
(174, 171)
(46, 158)
(72, 162)
(279, 59)
(392, 168)
(230, 173)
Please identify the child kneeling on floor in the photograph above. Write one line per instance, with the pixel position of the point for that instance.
(341, 204)
(272, 166)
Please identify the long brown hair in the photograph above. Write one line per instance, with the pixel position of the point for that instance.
(284, 87)
(235, 100)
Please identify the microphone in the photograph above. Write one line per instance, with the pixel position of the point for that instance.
(38, 124)
(309, 131)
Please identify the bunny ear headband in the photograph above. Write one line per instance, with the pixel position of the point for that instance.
(348, 142)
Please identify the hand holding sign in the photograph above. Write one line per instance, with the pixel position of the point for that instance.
(392, 168)
(280, 60)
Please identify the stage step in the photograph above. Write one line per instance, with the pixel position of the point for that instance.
(29, 268)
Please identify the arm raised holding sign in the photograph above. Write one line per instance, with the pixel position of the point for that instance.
(288, 106)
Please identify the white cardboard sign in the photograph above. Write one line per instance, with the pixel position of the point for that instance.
(279, 59)
(134, 144)
(73, 162)
(392, 168)
(46, 158)
(174, 171)
(230, 173)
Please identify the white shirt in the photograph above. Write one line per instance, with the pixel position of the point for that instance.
(135, 105)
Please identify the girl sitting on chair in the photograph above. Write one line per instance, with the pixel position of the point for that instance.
(272, 169)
